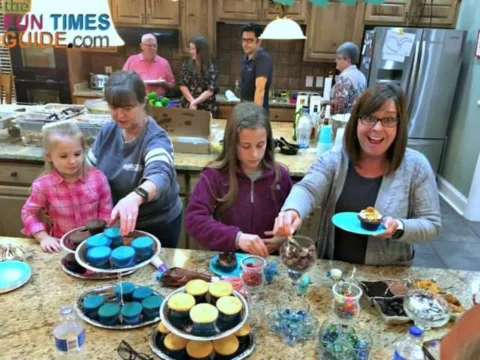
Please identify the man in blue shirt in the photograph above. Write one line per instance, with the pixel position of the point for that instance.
(257, 67)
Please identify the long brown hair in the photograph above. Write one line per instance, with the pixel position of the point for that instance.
(245, 115)
(203, 60)
(52, 133)
(369, 102)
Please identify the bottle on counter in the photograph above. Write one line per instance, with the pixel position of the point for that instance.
(237, 90)
(410, 346)
(304, 129)
(315, 116)
(296, 117)
(69, 334)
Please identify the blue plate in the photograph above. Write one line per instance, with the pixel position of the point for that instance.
(350, 222)
(214, 269)
(13, 274)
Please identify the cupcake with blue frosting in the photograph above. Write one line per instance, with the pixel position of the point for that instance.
(91, 305)
(125, 289)
(143, 248)
(123, 256)
(99, 256)
(109, 313)
(114, 235)
(151, 306)
(131, 313)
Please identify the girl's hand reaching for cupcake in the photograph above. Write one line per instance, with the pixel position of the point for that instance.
(50, 244)
(252, 244)
(391, 225)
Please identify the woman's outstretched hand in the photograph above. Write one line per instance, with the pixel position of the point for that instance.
(286, 223)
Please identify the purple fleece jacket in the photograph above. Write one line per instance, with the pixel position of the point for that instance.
(253, 212)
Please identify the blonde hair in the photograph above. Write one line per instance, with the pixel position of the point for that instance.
(54, 132)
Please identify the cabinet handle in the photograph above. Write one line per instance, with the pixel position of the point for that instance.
(13, 174)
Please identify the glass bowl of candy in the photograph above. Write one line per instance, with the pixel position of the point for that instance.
(346, 300)
(253, 272)
(426, 309)
(293, 323)
(339, 341)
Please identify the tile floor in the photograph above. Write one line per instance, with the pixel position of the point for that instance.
(457, 246)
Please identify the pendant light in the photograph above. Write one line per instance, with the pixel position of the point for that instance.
(283, 28)
(93, 28)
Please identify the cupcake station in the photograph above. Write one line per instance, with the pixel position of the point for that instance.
(360, 311)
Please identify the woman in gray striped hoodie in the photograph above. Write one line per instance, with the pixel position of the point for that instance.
(374, 168)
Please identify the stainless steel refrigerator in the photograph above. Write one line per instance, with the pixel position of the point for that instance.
(426, 64)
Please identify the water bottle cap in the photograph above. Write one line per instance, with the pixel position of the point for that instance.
(66, 310)
(415, 331)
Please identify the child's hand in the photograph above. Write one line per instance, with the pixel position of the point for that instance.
(273, 243)
(50, 244)
(252, 244)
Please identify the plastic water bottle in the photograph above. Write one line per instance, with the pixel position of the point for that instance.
(304, 128)
(410, 346)
(69, 335)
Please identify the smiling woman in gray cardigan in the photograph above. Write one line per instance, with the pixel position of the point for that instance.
(374, 168)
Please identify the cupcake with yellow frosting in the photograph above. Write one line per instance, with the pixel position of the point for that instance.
(179, 306)
(370, 218)
(229, 308)
(243, 335)
(204, 317)
(175, 346)
(226, 348)
(198, 289)
(219, 289)
(200, 350)
(162, 329)
(162, 332)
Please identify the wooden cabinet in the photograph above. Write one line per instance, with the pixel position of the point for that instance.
(15, 182)
(414, 13)
(344, 23)
(436, 13)
(146, 13)
(297, 12)
(391, 12)
(258, 10)
(277, 113)
(197, 19)
(239, 10)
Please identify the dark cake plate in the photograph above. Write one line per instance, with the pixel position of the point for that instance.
(70, 266)
(156, 344)
(109, 294)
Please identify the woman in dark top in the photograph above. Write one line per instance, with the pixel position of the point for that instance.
(199, 78)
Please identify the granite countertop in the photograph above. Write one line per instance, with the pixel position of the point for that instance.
(12, 149)
(29, 313)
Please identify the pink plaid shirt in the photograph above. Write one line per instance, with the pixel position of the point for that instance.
(158, 68)
(68, 205)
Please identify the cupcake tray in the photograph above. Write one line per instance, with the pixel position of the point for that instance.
(80, 253)
(187, 335)
(70, 258)
(156, 344)
(109, 293)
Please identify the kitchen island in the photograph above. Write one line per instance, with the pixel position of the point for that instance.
(20, 165)
(29, 313)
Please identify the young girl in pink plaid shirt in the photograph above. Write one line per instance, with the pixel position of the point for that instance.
(69, 193)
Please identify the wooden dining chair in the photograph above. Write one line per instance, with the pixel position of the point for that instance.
(6, 87)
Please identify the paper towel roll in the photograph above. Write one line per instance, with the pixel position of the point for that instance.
(327, 87)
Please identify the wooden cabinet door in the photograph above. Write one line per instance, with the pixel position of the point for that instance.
(197, 19)
(12, 199)
(297, 12)
(344, 23)
(436, 13)
(391, 12)
(163, 12)
(239, 9)
(128, 12)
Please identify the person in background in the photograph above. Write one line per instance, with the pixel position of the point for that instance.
(149, 66)
(69, 192)
(199, 78)
(374, 168)
(350, 83)
(234, 204)
(256, 68)
(136, 155)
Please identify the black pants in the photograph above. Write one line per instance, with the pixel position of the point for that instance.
(167, 233)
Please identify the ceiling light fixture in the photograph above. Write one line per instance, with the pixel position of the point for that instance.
(283, 28)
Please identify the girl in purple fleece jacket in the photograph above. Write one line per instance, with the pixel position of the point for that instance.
(235, 202)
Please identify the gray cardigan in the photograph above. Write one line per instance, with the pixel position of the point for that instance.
(410, 194)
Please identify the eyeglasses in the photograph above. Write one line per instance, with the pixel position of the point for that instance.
(388, 122)
(248, 40)
(126, 352)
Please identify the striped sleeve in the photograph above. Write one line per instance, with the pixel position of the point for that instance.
(158, 154)
(91, 159)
